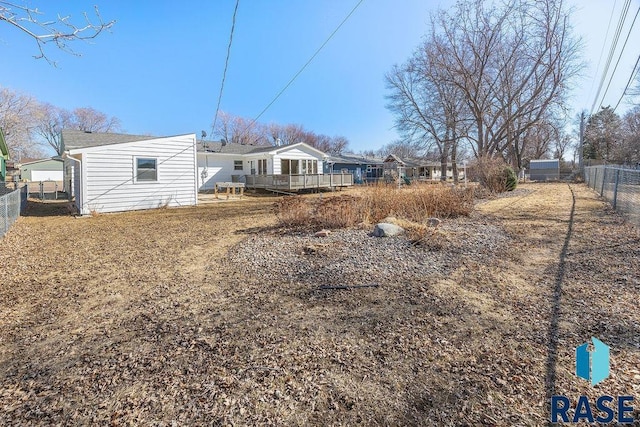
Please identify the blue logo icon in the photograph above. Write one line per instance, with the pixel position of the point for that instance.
(593, 365)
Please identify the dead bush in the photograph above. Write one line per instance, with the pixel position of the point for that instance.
(416, 203)
(293, 211)
(419, 202)
(493, 174)
(339, 212)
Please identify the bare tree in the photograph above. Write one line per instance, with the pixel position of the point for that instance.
(286, 134)
(339, 144)
(429, 110)
(60, 31)
(512, 63)
(91, 120)
(403, 149)
(50, 120)
(17, 119)
(239, 130)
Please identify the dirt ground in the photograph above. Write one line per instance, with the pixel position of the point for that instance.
(141, 319)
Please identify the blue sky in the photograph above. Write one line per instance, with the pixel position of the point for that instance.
(159, 70)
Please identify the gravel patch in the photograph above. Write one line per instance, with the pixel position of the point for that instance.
(354, 256)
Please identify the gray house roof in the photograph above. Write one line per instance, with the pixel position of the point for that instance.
(228, 148)
(75, 139)
(235, 148)
(354, 159)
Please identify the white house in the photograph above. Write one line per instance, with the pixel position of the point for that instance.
(218, 162)
(108, 172)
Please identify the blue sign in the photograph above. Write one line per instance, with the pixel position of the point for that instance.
(593, 365)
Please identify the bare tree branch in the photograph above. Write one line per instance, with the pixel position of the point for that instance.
(61, 31)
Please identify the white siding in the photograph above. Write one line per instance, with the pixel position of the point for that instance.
(219, 168)
(108, 183)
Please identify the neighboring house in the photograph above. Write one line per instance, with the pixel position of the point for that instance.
(415, 169)
(544, 170)
(109, 172)
(287, 167)
(364, 169)
(218, 162)
(50, 169)
(4, 157)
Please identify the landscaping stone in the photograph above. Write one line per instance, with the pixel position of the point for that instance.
(385, 229)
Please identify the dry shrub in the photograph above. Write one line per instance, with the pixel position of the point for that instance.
(293, 211)
(416, 203)
(430, 238)
(339, 212)
(419, 202)
(493, 174)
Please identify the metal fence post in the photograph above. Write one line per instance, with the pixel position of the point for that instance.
(604, 178)
(5, 212)
(615, 189)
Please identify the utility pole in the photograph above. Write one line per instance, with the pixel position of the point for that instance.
(581, 149)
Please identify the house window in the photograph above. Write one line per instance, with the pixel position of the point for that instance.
(146, 169)
(262, 167)
(311, 166)
(284, 167)
(237, 165)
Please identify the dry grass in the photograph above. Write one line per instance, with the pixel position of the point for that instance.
(139, 319)
(415, 203)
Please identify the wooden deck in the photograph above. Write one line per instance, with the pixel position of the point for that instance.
(298, 182)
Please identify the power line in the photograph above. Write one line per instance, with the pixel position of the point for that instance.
(612, 49)
(604, 44)
(620, 56)
(634, 72)
(295, 76)
(226, 64)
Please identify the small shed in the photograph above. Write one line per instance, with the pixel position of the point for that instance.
(544, 170)
(109, 172)
(50, 169)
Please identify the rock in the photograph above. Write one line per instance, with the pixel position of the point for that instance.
(385, 229)
(433, 222)
(322, 233)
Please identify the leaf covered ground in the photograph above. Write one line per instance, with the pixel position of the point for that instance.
(148, 318)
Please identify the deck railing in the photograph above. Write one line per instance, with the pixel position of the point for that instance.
(299, 182)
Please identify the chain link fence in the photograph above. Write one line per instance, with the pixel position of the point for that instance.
(619, 186)
(12, 204)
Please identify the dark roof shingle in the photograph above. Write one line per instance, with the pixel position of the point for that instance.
(75, 139)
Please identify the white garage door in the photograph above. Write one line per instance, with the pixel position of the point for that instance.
(46, 175)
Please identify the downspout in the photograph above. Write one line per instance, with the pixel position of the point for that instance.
(65, 156)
